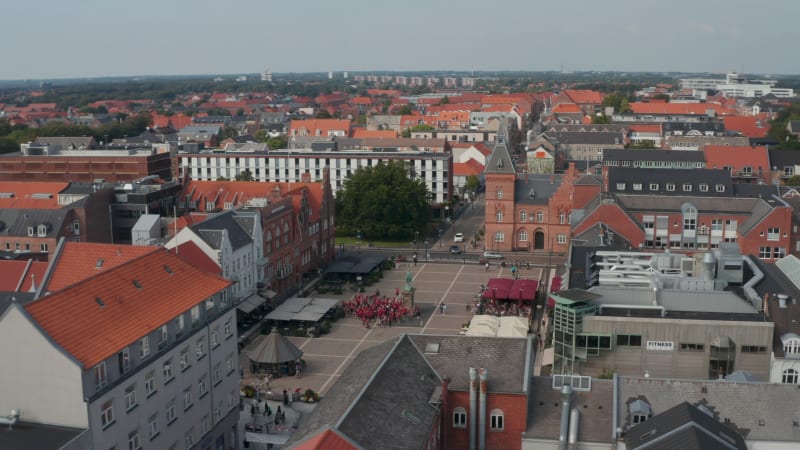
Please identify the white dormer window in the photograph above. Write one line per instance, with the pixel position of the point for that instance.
(703, 187)
(620, 186)
(670, 187)
(31, 231)
(720, 188)
(637, 186)
(687, 187)
(42, 230)
(653, 186)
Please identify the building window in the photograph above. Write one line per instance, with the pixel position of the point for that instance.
(153, 425)
(692, 347)
(720, 188)
(229, 363)
(496, 420)
(764, 252)
(204, 423)
(523, 216)
(133, 440)
(773, 234)
(540, 216)
(171, 412)
(31, 232)
(168, 374)
(499, 236)
(216, 374)
(188, 439)
(226, 328)
(562, 218)
(203, 385)
(179, 326)
(460, 418)
(791, 347)
(561, 238)
(788, 171)
(187, 398)
(653, 186)
(184, 361)
(620, 186)
(637, 186)
(629, 340)
(107, 414)
(43, 248)
(100, 376)
(215, 337)
(130, 397)
(144, 347)
(150, 384)
(200, 348)
(687, 187)
(670, 187)
(703, 187)
(639, 418)
(195, 312)
(124, 360)
(790, 376)
(500, 194)
(778, 252)
(754, 349)
(523, 236)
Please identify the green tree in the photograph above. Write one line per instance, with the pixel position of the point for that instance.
(472, 184)
(245, 175)
(323, 114)
(227, 132)
(422, 127)
(664, 97)
(600, 119)
(405, 110)
(383, 202)
(645, 144)
(406, 133)
(278, 142)
(445, 100)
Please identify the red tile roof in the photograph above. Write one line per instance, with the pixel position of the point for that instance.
(360, 133)
(15, 275)
(325, 440)
(191, 253)
(567, 108)
(25, 194)
(583, 96)
(98, 317)
(749, 126)
(80, 260)
(646, 128)
(310, 127)
(471, 167)
(737, 157)
(680, 108)
(476, 145)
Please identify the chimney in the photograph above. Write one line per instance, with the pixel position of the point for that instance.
(484, 374)
(445, 412)
(473, 407)
(566, 391)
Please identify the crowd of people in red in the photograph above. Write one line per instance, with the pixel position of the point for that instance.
(378, 309)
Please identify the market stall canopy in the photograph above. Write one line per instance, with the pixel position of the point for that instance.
(488, 325)
(274, 348)
(303, 309)
(355, 264)
(523, 290)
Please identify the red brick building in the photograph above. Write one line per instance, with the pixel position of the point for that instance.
(526, 212)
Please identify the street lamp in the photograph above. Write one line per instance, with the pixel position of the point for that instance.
(416, 239)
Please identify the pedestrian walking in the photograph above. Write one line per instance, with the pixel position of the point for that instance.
(297, 367)
(444, 308)
(285, 399)
(487, 266)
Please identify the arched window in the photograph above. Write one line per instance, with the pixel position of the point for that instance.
(523, 236)
(500, 193)
(791, 346)
(790, 376)
(499, 236)
(540, 216)
(562, 218)
(523, 216)
(499, 216)
(459, 418)
(496, 420)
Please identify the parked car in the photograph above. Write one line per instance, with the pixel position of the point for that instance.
(454, 249)
(492, 255)
(459, 237)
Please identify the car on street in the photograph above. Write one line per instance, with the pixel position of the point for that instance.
(454, 249)
(492, 255)
(459, 237)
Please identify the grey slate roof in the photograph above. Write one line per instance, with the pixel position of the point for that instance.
(677, 177)
(211, 231)
(624, 154)
(578, 138)
(535, 189)
(29, 435)
(500, 160)
(595, 406)
(778, 159)
(9, 298)
(683, 427)
(375, 411)
(503, 357)
(589, 180)
(758, 411)
(15, 222)
(785, 319)
(685, 127)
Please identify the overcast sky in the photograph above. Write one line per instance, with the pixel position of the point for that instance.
(59, 39)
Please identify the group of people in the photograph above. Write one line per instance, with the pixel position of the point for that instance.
(377, 309)
(496, 308)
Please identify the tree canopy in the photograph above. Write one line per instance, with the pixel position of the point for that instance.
(777, 127)
(383, 203)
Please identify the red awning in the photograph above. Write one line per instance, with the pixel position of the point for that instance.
(498, 288)
(524, 290)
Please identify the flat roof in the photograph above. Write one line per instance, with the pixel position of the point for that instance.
(28, 435)
(674, 300)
